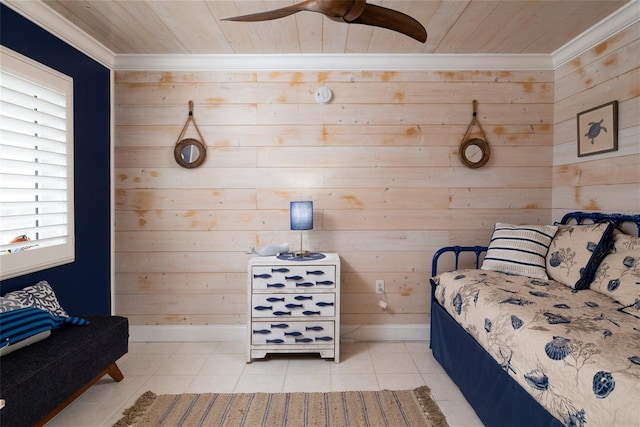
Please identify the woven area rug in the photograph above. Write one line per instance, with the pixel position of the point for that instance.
(414, 408)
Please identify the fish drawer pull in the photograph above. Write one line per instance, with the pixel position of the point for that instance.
(293, 334)
(262, 331)
(302, 297)
(324, 282)
(276, 341)
(280, 270)
(324, 304)
(304, 339)
(313, 328)
(310, 313)
(274, 299)
(262, 276)
(305, 284)
(293, 277)
(275, 285)
(293, 306)
(316, 272)
(280, 325)
(282, 313)
(263, 307)
(324, 339)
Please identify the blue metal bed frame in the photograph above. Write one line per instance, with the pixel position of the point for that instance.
(501, 402)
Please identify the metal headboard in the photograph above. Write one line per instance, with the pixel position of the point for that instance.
(618, 219)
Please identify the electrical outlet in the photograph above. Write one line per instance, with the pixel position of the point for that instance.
(379, 286)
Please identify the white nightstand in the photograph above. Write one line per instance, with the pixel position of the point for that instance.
(294, 306)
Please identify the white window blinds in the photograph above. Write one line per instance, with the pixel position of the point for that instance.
(36, 166)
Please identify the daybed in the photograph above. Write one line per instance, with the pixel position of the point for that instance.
(547, 336)
(69, 355)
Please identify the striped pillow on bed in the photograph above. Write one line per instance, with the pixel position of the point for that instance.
(519, 249)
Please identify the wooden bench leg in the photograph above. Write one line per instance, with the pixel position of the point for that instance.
(113, 371)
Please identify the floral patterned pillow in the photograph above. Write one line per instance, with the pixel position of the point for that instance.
(619, 272)
(576, 251)
(40, 296)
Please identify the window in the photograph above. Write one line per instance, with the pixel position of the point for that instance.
(36, 166)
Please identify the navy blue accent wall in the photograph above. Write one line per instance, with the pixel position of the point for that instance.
(82, 287)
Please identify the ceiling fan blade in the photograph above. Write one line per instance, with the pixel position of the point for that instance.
(390, 19)
(309, 5)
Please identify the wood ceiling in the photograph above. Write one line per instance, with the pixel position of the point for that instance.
(453, 26)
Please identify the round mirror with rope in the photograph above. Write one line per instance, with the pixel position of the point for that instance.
(474, 152)
(189, 152)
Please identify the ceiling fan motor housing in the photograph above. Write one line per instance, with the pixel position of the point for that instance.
(357, 7)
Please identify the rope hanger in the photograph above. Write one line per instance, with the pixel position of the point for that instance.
(190, 119)
(474, 121)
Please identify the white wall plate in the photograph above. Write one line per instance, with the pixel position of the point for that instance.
(323, 95)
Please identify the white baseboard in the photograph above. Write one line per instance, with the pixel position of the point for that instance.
(359, 333)
(194, 333)
(187, 333)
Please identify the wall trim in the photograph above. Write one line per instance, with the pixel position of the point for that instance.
(53, 22)
(624, 17)
(330, 62)
(56, 24)
(199, 333)
(112, 183)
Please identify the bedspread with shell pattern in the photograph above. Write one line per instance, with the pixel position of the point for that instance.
(576, 352)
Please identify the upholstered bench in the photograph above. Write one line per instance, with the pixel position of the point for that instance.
(38, 381)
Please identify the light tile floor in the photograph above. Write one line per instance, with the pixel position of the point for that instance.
(220, 367)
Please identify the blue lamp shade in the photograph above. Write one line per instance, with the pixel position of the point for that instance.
(301, 215)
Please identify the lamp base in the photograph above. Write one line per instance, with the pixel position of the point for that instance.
(301, 256)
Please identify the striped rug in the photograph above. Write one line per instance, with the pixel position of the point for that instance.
(413, 408)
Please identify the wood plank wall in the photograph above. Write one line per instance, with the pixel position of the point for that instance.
(379, 162)
(608, 181)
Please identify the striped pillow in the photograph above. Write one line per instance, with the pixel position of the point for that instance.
(23, 323)
(519, 249)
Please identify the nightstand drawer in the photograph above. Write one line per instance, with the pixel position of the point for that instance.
(276, 278)
(293, 305)
(294, 332)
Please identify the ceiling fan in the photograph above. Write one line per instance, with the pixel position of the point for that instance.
(349, 11)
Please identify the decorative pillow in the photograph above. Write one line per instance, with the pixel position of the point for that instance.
(39, 295)
(576, 252)
(624, 242)
(519, 250)
(9, 304)
(10, 348)
(25, 323)
(618, 275)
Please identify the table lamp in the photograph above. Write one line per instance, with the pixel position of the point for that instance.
(301, 219)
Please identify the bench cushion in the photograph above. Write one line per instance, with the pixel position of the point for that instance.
(38, 378)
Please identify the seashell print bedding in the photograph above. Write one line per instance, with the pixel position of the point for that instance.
(576, 352)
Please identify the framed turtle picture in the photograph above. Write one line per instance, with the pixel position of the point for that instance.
(598, 129)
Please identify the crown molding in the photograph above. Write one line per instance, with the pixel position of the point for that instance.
(329, 62)
(56, 24)
(612, 24)
(48, 19)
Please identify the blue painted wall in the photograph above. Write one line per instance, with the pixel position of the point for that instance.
(82, 287)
